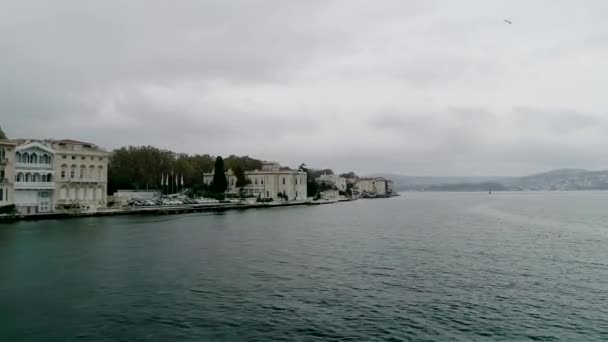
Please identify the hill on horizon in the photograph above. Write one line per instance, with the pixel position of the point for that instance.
(553, 180)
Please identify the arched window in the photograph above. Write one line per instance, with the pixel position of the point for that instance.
(83, 171)
(100, 173)
(43, 178)
(72, 172)
(36, 178)
(49, 177)
(64, 171)
(25, 158)
(91, 172)
(18, 157)
(28, 177)
(34, 158)
(20, 177)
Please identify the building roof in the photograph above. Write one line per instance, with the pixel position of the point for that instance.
(72, 142)
(7, 142)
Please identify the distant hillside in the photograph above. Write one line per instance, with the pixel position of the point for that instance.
(562, 180)
(403, 182)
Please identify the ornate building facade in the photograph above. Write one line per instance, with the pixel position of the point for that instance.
(34, 178)
(81, 175)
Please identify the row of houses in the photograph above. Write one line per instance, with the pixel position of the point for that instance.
(43, 176)
(372, 186)
(275, 182)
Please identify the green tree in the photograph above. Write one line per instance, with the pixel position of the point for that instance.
(241, 179)
(349, 175)
(219, 184)
(2, 135)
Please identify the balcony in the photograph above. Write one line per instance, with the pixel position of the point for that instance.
(33, 166)
(34, 185)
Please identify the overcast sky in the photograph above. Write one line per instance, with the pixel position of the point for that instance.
(412, 87)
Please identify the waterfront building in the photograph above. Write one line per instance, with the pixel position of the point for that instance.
(337, 181)
(34, 177)
(81, 170)
(7, 172)
(272, 181)
(330, 195)
(375, 185)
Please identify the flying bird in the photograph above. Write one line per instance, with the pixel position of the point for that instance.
(508, 22)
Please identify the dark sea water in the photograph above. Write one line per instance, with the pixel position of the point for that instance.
(421, 267)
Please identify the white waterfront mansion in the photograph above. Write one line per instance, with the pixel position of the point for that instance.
(82, 175)
(34, 178)
(272, 181)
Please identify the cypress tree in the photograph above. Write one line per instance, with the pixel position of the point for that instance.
(219, 183)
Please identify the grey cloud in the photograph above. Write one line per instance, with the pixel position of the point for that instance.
(434, 87)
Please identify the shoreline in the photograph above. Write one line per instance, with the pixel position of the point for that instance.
(160, 210)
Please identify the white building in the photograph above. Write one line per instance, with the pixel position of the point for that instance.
(272, 181)
(375, 185)
(330, 195)
(34, 178)
(82, 170)
(7, 172)
(339, 182)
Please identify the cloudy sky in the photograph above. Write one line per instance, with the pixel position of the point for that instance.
(413, 87)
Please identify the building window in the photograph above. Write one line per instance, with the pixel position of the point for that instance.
(256, 181)
(100, 158)
(283, 180)
(73, 157)
(1, 175)
(267, 194)
(262, 181)
(64, 157)
(1, 153)
(1, 195)
(296, 181)
(83, 157)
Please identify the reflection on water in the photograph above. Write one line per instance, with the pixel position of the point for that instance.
(506, 266)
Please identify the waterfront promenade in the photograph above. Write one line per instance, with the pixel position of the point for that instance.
(161, 210)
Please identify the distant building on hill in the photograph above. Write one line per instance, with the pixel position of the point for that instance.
(272, 181)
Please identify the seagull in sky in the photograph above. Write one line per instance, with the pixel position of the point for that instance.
(508, 22)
